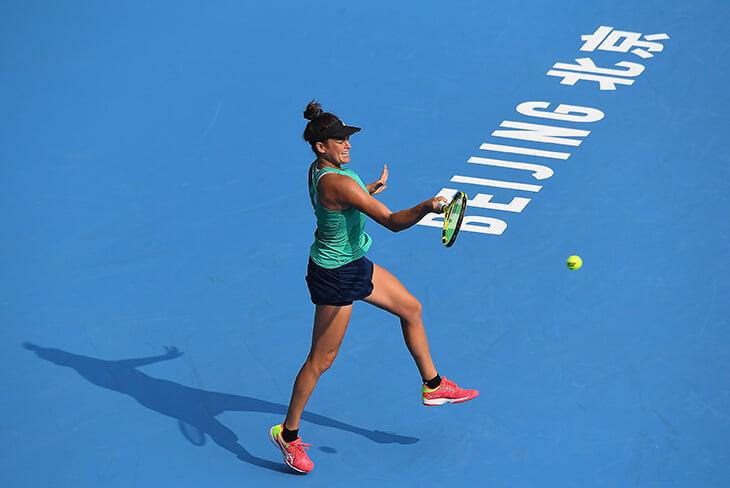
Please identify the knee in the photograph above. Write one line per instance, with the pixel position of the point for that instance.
(412, 310)
(319, 363)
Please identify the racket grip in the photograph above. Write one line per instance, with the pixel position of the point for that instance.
(442, 205)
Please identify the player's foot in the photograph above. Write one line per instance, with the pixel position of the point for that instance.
(447, 392)
(292, 452)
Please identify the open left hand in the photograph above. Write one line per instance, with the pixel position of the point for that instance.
(379, 185)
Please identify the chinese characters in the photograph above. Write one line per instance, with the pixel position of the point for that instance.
(608, 39)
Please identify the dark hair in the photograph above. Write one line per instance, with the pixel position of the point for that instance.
(319, 122)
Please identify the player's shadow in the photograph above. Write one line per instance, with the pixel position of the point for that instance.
(195, 409)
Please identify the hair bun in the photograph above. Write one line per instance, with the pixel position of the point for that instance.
(313, 110)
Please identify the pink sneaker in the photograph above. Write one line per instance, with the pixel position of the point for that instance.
(293, 452)
(447, 392)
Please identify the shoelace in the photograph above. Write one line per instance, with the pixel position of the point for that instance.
(300, 446)
(449, 387)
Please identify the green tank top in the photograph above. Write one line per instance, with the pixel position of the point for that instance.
(340, 237)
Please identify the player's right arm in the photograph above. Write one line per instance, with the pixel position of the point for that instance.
(340, 192)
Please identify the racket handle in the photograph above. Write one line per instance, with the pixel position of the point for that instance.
(442, 205)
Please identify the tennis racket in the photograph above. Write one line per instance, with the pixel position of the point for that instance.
(453, 216)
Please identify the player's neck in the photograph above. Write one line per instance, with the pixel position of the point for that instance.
(323, 163)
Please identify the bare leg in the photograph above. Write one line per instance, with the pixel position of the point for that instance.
(389, 294)
(330, 324)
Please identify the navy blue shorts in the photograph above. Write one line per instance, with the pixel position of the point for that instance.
(340, 286)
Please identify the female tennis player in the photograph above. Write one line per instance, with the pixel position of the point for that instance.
(339, 273)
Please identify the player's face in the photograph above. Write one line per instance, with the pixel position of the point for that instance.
(336, 151)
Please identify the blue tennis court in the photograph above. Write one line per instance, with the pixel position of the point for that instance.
(157, 227)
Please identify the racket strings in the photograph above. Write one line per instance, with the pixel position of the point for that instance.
(453, 216)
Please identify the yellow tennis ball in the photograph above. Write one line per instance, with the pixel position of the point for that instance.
(574, 262)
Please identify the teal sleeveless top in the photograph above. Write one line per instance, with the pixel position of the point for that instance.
(340, 237)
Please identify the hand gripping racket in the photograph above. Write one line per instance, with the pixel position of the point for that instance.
(453, 216)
